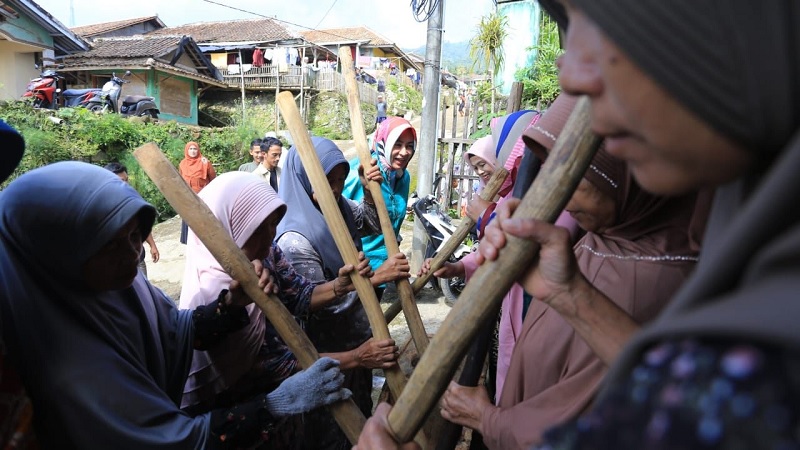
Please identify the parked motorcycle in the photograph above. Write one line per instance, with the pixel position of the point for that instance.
(44, 88)
(439, 227)
(107, 99)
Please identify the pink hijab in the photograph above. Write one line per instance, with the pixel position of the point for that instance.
(483, 148)
(241, 201)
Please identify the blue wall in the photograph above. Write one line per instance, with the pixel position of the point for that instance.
(523, 32)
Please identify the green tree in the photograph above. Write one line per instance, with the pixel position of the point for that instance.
(540, 81)
(486, 48)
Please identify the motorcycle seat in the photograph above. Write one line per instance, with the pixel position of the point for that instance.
(77, 92)
(136, 98)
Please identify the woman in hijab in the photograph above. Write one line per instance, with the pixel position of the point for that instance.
(483, 161)
(102, 353)
(307, 242)
(515, 302)
(708, 102)
(394, 144)
(254, 358)
(197, 171)
(638, 249)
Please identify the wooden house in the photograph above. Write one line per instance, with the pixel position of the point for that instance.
(170, 68)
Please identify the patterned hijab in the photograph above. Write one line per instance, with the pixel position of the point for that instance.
(303, 216)
(385, 136)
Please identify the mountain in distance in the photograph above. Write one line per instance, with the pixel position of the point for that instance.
(454, 54)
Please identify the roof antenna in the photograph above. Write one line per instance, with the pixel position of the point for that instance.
(71, 13)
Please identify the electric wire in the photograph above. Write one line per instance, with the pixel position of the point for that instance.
(326, 14)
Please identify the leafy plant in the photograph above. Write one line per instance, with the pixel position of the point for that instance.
(486, 47)
(540, 81)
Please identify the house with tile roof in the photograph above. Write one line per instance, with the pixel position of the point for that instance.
(370, 49)
(372, 52)
(170, 68)
(254, 53)
(30, 36)
(120, 28)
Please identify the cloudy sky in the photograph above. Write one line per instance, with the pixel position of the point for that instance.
(392, 18)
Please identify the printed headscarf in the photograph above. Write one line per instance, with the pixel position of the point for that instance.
(303, 216)
(385, 136)
(242, 202)
(507, 135)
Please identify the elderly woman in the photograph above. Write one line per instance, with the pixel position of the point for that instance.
(309, 245)
(638, 250)
(102, 353)
(709, 102)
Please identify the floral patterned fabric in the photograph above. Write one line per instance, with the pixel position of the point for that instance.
(692, 394)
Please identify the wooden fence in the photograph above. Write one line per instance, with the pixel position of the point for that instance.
(295, 77)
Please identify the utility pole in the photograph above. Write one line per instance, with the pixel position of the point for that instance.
(427, 139)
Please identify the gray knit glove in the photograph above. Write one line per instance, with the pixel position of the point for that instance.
(319, 385)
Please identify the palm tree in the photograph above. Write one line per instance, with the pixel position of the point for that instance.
(486, 48)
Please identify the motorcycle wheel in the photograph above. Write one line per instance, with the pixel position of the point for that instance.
(96, 108)
(451, 289)
(151, 113)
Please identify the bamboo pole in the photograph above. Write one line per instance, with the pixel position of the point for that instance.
(409, 305)
(338, 228)
(210, 231)
(545, 200)
(489, 192)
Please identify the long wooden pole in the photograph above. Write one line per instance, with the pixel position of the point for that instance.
(489, 192)
(409, 306)
(210, 231)
(545, 200)
(338, 228)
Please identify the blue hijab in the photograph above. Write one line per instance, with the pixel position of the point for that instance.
(303, 216)
(103, 370)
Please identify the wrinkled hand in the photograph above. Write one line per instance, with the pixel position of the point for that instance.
(377, 354)
(154, 252)
(476, 207)
(237, 296)
(448, 269)
(376, 435)
(556, 271)
(319, 385)
(465, 405)
(343, 281)
(394, 268)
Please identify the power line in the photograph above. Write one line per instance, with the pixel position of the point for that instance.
(276, 19)
(423, 9)
(326, 13)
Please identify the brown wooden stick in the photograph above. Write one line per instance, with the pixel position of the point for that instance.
(489, 192)
(338, 228)
(492, 188)
(208, 228)
(409, 305)
(545, 200)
